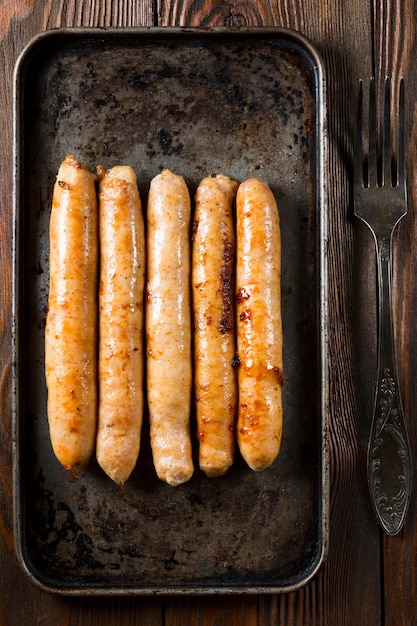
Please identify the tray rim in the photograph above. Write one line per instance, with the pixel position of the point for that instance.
(322, 295)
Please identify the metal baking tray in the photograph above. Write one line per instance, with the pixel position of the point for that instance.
(243, 102)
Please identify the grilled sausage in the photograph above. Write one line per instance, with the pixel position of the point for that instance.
(168, 327)
(71, 323)
(259, 326)
(120, 362)
(213, 259)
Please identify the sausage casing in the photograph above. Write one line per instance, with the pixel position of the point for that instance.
(120, 362)
(213, 259)
(259, 324)
(168, 327)
(71, 323)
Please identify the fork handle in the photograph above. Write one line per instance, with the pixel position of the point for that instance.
(389, 458)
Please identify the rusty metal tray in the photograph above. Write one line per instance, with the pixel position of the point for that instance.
(244, 102)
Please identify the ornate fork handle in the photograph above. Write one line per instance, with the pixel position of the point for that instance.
(389, 458)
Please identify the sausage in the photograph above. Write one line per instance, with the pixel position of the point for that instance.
(259, 324)
(121, 289)
(213, 262)
(71, 322)
(168, 327)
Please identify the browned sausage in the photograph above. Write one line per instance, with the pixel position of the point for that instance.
(71, 324)
(122, 275)
(168, 327)
(259, 326)
(213, 262)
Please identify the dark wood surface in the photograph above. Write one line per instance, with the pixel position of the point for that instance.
(367, 578)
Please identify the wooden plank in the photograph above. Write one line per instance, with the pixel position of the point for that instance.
(347, 590)
(400, 552)
(21, 602)
(395, 52)
(214, 13)
(100, 14)
(211, 611)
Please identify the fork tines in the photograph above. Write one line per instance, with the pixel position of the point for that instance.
(381, 166)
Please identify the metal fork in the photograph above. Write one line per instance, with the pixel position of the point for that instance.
(380, 199)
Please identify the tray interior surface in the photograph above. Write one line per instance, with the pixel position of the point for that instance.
(245, 105)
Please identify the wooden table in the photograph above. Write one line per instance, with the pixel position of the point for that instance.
(368, 578)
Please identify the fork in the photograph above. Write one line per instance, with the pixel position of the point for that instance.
(380, 200)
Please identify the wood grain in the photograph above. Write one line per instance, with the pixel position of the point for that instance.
(400, 553)
(99, 13)
(367, 578)
(228, 14)
(394, 54)
(344, 602)
(21, 602)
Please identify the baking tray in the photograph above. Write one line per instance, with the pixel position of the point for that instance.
(244, 102)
